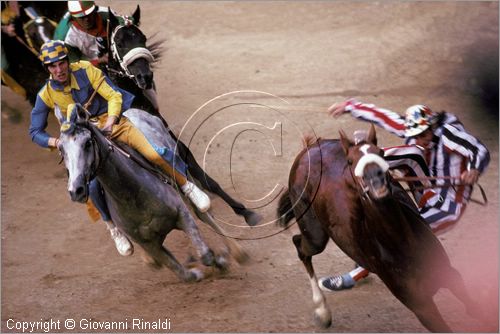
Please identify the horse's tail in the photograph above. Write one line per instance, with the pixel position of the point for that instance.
(285, 210)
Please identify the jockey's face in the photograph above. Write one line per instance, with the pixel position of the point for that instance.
(59, 71)
(425, 138)
(87, 22)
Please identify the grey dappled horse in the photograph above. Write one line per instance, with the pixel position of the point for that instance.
(140, 203)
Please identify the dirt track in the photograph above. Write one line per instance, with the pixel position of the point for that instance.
(56, 265)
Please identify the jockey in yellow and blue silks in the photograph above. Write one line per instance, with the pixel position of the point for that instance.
(75, 83)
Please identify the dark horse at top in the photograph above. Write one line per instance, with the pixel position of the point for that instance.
(34, 26)
(129, 66)
(343, 191)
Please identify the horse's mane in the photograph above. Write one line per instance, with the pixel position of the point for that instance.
(310, 140)
(156, 47)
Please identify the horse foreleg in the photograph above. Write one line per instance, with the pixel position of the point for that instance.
(187, 224)
(322, 314)
(162, 256)
(455, 283)
(427, 312)
(233, 247)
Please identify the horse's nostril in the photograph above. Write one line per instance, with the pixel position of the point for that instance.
(80, 191)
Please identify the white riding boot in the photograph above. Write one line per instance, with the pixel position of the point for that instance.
(123, 245)
(196, 196)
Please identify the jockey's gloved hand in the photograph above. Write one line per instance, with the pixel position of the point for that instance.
(107, 129)
(470, 177)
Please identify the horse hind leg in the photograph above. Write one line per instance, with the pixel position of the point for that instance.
(322, 313)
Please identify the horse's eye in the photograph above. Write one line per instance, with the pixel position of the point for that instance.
(349, 161)
(88, 143)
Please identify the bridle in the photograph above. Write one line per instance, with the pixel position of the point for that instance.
(98, 161)
(38, 22)
(130, 56)
(357, 174)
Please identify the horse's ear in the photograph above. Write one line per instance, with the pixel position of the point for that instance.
(372, 135)
(76, 113)
(60, 117)
(346, 142)
(113, 20)
(137, 16)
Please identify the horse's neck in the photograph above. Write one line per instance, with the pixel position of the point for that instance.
(388, 216)
(128, 84)
(115, 169)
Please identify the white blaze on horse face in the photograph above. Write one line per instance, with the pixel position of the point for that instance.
(368, 158)
(74, 159)
(43, 35)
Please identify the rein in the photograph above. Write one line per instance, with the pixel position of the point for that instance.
(112, 147)
(20, 40)
(361, 188)
(453, 182)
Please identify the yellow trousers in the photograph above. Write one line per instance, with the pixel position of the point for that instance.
(125, 132)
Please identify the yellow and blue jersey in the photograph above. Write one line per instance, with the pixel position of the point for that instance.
(84, 80)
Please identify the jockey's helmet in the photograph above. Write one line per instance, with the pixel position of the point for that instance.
(418, 118)
(52, 51)
(81, 8)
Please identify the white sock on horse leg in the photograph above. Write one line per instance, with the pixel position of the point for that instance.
(109, 224)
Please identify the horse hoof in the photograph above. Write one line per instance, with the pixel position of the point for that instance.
(322, 318)
(190, 262)
(253, 218)
(194, 275)
(208, 258)
(221, 263)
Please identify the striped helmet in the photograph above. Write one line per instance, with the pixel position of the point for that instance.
(418, 118)
(52, 51)
(81, 8)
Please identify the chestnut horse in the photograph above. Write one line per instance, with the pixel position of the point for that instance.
(342, 190)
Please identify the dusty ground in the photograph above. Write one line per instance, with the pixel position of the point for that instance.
(56, 265)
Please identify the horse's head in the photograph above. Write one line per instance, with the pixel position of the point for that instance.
(366, 163)
(128, 49)
(77, 148)
(39, 31)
